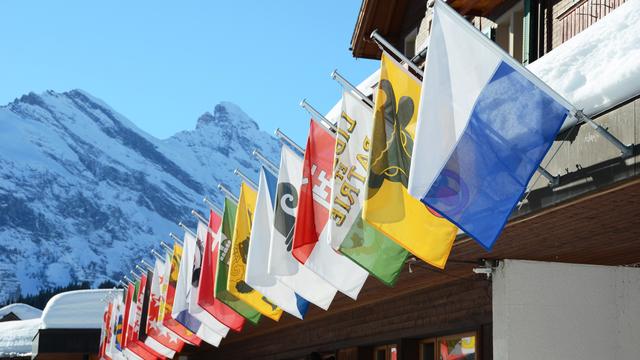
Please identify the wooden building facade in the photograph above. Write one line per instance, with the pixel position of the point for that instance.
(592, 217)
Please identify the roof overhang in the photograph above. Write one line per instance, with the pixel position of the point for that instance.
(384, 15)
(387, 16)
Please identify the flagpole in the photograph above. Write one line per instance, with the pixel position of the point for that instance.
(284, 138)
(385, 44)
(348, 86)
(136, 276)
(146, 265)
(176, 238)
(198, 216)
(212, 206)
(166, 247)
(315, 115)
(245, 178)
(625, 150)
(157, 255)
(143, 269)
(228, 193)
(264, 161)
(128, 280)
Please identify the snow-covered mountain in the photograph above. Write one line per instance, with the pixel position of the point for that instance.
(84, 193)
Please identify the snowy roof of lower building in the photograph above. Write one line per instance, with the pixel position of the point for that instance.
(80, 309)
(600, 67)
(22, 311)
(16, 337)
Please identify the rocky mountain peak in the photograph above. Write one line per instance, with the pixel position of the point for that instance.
(84, 193)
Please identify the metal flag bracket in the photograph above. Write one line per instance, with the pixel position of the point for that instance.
(166, 247)
(349, 86)
(383, 43)
(245, 178)
(625, 150)
(211, 205)
(315, 114)
(273, 169)
(157, 255)
(228, 193)
(199, 217)
(285, 139)
(553, 180)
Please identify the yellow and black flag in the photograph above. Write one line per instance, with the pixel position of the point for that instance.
(239, 250)
(388, 206)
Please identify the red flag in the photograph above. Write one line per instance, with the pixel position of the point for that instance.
(315, 191)
(206, 294)
(170, 323)
(127, 309)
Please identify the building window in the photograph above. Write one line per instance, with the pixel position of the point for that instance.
(386, 352)
(451, 347)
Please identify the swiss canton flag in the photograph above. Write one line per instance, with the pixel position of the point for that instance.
(206, 293)
(155, 329)
(311, 245)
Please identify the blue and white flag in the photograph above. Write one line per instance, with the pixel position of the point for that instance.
(257, 272)
(484, 125)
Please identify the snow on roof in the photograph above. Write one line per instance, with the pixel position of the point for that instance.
(595, 70)
(22, 311)
(16, 337)
(600, 67)
(80, 309)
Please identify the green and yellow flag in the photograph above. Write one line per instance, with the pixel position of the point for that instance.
(348, 233)
(388, 206)
(239, 250)
(222, 270)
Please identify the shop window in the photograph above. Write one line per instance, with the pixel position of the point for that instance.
(386, 352)
(451, 347)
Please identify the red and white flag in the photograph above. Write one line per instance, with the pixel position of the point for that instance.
(105, 334)
(156, 332)
(311, 246)
(127, 312)
(133, 343)
(206, 293)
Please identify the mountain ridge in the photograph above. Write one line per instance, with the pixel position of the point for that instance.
(84, 193)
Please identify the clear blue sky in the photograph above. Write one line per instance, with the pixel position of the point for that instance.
(164, 63)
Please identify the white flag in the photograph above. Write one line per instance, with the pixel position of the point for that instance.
(257, 274)
(180, 310)
(281, 262)
(351, 158)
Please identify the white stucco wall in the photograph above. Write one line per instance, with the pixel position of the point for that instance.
(560, 311)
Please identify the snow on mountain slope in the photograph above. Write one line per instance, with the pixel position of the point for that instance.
(84, 193)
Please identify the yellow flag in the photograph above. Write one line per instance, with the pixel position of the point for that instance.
(388, 206)
(239, 250)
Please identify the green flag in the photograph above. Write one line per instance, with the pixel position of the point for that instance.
(222, 271)
(348, 233)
